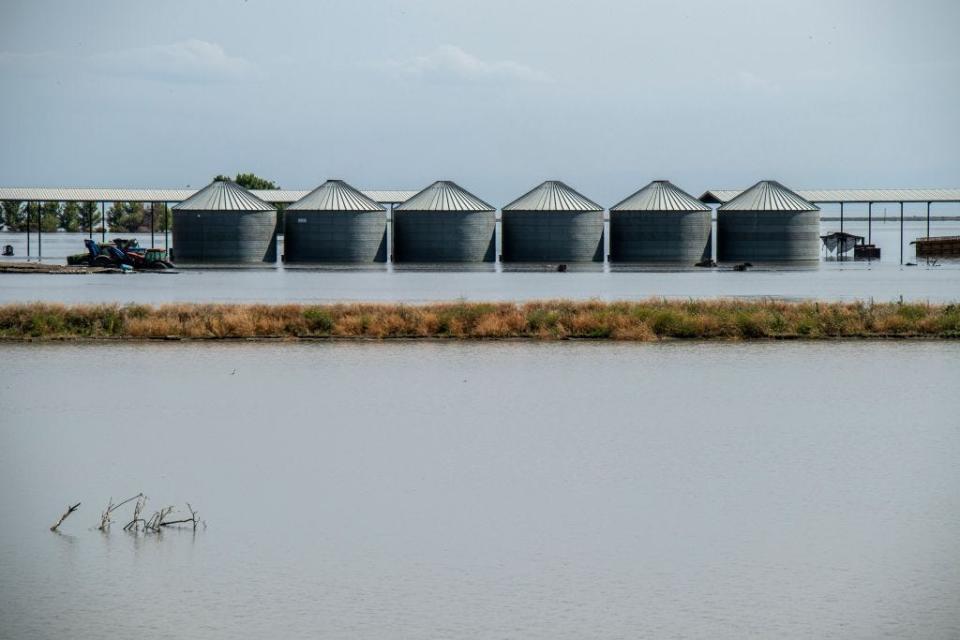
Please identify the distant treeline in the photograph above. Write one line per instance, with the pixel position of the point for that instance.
(644, 321)
(126, 217)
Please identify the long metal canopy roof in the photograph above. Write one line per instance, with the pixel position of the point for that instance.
(84, 194)
(721, 196)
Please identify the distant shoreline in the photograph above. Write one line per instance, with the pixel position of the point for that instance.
(646, 321)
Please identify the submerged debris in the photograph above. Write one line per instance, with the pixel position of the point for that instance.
(159, 520)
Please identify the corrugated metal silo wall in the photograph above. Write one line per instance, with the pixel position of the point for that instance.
(443, 236)
(552, 236)
(660, 236)
(335, 236)
(224, 236)
(768, 236)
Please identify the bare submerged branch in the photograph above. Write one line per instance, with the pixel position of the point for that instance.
(65, 515)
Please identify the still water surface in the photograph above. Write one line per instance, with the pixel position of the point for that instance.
(495, 490)
(882, 281)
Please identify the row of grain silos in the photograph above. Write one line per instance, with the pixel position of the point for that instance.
(660, 223)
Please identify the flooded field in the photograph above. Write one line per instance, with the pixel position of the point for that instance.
(883, 281)
(548, 490)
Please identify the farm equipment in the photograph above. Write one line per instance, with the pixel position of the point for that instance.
(120, 253)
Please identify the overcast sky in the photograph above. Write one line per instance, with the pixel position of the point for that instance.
(495, 94)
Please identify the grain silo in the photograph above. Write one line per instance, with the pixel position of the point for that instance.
(223, 222)
(768, 223)
(552, 223)
(444, 223)
(660, 223)
(335, 223)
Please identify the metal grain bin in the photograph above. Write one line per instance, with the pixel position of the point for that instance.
(335, 223)
(552, 223)
(224, 223)
(660, 223)
(768, 223)
(444, 223)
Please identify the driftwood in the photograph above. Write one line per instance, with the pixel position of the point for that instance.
(154, 524)
(105, 519)
(66, 514)
(137, 509)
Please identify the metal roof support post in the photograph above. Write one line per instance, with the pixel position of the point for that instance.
(40, 232)
(103, 221)
(928, 219)
(840, 253)
(90, 222)
(166, 230)
(153, 212)
(28, 230)
(870, 223)
(901, 233)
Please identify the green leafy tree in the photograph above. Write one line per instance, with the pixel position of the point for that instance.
(162, 216)
(30, 212)
(89, 215)
(126, 216)
(50, 216)
(14, 217)
(70, 217)
(248, 181)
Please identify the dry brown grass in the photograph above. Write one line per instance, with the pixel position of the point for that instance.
(551, 319)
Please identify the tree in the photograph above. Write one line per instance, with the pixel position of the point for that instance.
(50, 216)
(161, 215)
(70, 217)
(14, 218)
(125, 216)
(89, 215)
(248, 181)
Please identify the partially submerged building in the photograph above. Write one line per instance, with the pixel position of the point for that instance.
(552, 223)
(768, 223)
(224, 223)
(444, 223)
(335, 223)
(660, 223)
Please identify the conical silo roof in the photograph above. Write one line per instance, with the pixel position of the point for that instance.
(445, 195)
(223, 195)
(552, 195)
(336, 195)
(661, 195)
(768, 195)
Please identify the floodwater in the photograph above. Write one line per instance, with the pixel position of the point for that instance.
(885, 280)
(491, 490)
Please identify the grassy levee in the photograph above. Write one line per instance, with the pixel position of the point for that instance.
(551, 319)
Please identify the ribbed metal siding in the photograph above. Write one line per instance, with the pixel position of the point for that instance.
(335, 236)
(660, 236)
(443, 236)
(224, 236)
(552, 236)
(768, 236)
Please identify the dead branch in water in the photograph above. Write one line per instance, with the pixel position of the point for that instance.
(135, 523)
(105, 519)
(193, 519)
(65, 515)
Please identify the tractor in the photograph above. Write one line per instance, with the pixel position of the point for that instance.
(121, 252)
